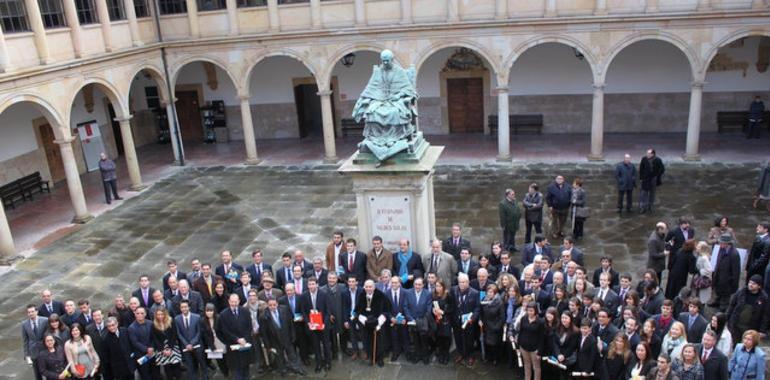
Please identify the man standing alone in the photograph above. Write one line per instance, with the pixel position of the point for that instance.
(756, 114)
(509, 219)
(558, 197)
(651, 171)
(625, 174)
(109, 178)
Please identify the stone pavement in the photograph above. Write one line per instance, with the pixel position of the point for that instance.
(199, 211)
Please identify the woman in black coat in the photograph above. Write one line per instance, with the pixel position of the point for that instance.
(530, 339)
(682, 264)
(565, 343)
(220, 296)
(618, 356)
(209, 338)
(492, 320)
(51, 361)
(165, 342)
(441, 326)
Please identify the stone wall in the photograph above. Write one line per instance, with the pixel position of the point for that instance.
(271, 121)
(144, 126)
(24, 164)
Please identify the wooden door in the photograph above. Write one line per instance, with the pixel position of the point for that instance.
(52, 153)
(189, 115)
(465, 100)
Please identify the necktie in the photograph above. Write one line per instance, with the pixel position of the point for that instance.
(298, 285)
(433, 264)
(705, 356)
(50, 309)
(350, 262)
(258, 270)
(87, 319)
(622, 293)
(395, 297)
(276, 319)
(144, 295)
(235, 312)
(208, 284)
(312, 298)
(34, 327)
(417, 296)
(288, 275)
(505, 269)
(456, 242)
(186, 323)
(601, 294)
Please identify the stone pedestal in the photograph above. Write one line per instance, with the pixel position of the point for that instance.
(395, 200)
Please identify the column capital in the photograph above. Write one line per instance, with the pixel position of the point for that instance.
(124, 119)
(599, 86)
(325, 93)
(697, 84)
(501, 89)
(166, 103)
(65, 140)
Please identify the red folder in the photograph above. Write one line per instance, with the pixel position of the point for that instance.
(316, 321)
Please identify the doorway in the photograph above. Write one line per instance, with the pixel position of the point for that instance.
(116, 130)
(188, 115)
(309, 115)
(465, 103)
(52, 153)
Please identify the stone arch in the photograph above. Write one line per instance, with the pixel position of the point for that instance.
(178, 66)
(678, 42)
(474, 46)
(59, 127)
(258, 58)
(332, 62)
(156, 74)
(119, 105)
(522, 48)
(730, 38)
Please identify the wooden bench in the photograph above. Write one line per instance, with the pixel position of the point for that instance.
(33, 184)
(736, 121)
(519, 124)
(350, 127)
(12, 193)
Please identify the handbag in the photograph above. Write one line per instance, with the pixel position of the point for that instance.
(701, 282)
(582, 212)
(174, 358)
(79, 370)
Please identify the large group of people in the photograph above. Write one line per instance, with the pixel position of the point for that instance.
(549, 315)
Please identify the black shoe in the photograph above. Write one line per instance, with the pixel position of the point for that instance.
(380, 363)
(300, 371)
(328, 366)
(283, 373)
(318, 368)
(348, 352)
(514, 249)
(394, 357)
(426, 360)
(306, 361)
(118, 198)
(109, 202)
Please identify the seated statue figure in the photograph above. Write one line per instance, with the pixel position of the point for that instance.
(387, 105)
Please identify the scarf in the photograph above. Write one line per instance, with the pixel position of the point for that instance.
(403, 259)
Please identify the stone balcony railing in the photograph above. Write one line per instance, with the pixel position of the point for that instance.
(41, 47)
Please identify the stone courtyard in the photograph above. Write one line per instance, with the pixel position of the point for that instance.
(201, 211)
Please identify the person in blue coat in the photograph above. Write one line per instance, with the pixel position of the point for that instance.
(748, 360)
(625, 175)
(419, 303)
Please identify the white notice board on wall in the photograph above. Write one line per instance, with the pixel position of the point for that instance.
(91, 141)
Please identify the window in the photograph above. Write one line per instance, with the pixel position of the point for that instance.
(292, 1)
(251, 3)
(13, 16)
(210, 5)
(168, 7)
(52, 14)
(140, 8)
(115, 9)
(151, 95)
(86, 12)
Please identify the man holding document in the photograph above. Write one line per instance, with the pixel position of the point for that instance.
(234, 329)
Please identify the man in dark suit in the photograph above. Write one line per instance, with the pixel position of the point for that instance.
(539, 295)
(588, 359)
(98, 332)
(607, 295)
(84, 318)
(351, 331)
(759, 254)
(300, 283)
(192, 297)
(468, 303)
(33, 330)
(173, 289)
(49, 305)
(285, 274)
(399, 333)
(205, 283)
(453, 244)
(714, 361)
(353, 262)
(693, 321)
(144, 293)
(606, 267)
(315, 301)
(117, 362)
(665, 319)
(727, 273)
(413, 268)
(299, 259)
(467, 264)
(188, 329)
(507, 267)
(71, 313)
(623, 287)
(229, 271)
(651, 171)
(257, 267)
(576, 255)
(677, 236)
(333, 290)
(604, 329)
(630, 329)
(140, 335)
(372, 310)
(173, 271)
(653, 298)
(195, 270)
(481, 281)
(539, 246)
(301, 337)
(234, 328)
(244, 286)
(418, 309)
(277, 330)
(318, 272)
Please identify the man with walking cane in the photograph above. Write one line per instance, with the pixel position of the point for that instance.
(372, 310)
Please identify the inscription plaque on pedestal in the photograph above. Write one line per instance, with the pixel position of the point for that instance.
(391, 218)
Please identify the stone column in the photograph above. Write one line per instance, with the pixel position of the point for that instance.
(601, 7)
(36, 24)
(248, 131)
(330, 150)
(501, 9)
(272, 16)
(192, 17)
(360, 9)
(693, 123)
(704, 5)
(453, 11)
(315, 13)
(71, 14)
(104, 19)
(232, 17)
(5, 60)
(73, 181)
(406, 11)
(133, 26)
(7, 250)
(597, 124)
(172, 132)
(503, 127)
(129, 150)
(550, 8)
